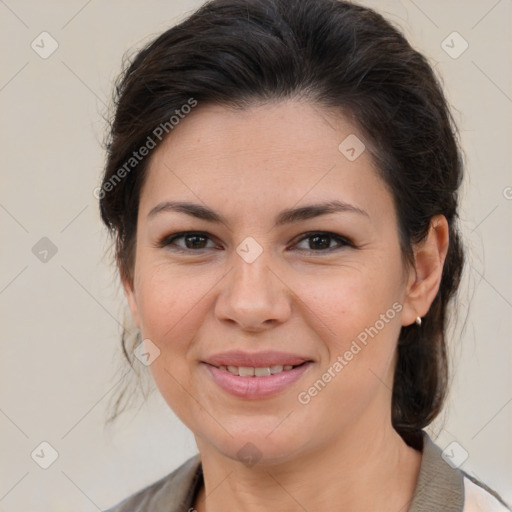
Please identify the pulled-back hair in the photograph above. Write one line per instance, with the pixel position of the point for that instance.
(332, 53)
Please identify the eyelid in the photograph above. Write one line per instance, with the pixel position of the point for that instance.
(342, 241)
(167, 240)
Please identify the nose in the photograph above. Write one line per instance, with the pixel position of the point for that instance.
(254, 297)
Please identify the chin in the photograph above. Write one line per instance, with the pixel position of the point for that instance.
(256, 447)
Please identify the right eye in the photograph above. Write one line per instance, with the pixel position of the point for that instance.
(193, 241)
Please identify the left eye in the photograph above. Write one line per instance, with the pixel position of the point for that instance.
(317, 241)
(321, 241)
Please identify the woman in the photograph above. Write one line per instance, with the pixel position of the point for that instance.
(282, 183)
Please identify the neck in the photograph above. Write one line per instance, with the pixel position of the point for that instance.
(364, 469)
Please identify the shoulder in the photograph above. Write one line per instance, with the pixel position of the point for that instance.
(167, 494)
(480, 498)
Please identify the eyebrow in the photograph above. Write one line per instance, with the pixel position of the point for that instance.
(288, 216)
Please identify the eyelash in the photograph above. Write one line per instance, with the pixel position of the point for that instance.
(342, 241)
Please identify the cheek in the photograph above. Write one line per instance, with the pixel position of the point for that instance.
(349, 301)
(360, 323)
(165, 298)
(172, 304)
(363, 317)
(169, 308)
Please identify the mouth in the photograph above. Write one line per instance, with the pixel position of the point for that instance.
(266, 379)
(261, 371)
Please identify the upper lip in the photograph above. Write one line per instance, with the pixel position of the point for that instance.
(255, 359)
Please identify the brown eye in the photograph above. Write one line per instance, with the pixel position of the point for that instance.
(322, 242)
(194, 241)
(190, 241)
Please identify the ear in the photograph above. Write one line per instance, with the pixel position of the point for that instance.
(425, 276)
(129, 292)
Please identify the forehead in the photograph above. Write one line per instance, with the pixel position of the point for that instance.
(279, 153)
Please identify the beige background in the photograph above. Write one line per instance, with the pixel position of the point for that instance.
(60, 356)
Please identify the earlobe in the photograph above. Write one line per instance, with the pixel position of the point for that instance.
(129, 293)
(425, 276)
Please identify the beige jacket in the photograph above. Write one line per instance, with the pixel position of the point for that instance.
(440, 488)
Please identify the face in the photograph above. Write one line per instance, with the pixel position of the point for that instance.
(285, 255)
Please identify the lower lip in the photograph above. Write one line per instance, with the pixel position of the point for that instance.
(256, 387)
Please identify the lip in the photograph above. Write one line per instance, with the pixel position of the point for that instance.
(257, 388)
(255, 359)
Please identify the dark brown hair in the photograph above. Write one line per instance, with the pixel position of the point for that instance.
(341, 56)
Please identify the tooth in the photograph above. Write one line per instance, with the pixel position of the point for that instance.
(246, 371)
(249, 371)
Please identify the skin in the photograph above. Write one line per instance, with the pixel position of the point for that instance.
(297, 296)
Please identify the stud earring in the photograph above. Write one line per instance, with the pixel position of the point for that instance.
(418, 320)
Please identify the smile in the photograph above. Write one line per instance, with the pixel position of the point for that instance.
(250, 371)
(255, 382)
